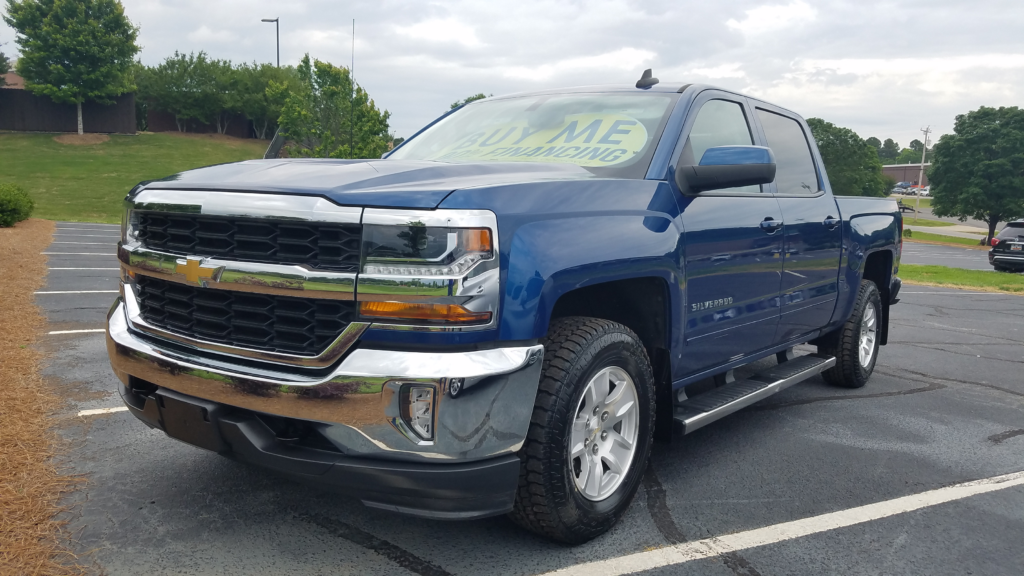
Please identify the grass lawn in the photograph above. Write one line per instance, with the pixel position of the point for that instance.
(912, 201)
(918, 236)
(910, 221)
(960, 278)
(87, 182)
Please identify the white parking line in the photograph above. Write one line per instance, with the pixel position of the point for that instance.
(91, 229)
(83, 268)
(961, 293)
(78, 254)
(91, 330)
(89, 235)
(717, 546)
(88, 243)
(102, 411)
(80, 292)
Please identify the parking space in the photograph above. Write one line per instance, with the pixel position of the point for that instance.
(945, 406)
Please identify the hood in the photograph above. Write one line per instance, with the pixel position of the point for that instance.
(383, 183)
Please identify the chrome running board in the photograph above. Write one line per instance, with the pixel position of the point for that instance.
(704, 409)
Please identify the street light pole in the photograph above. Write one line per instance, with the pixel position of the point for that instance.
(920, 178)
(277, 33)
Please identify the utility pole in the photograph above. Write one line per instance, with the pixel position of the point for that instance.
(920, 179)
(352, 101)
(277, 33)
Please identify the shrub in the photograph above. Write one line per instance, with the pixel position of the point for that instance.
(15, 205)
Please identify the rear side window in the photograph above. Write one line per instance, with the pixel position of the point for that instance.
(795, 173)
(1012, 230)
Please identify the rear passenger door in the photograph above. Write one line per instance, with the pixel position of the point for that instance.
(733, 245)
(813, 233)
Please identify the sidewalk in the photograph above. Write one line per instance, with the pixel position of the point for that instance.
(959, 231)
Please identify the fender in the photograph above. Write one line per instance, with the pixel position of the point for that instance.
(869, 233)
(559, 236)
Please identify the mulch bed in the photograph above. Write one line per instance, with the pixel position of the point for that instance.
(33, 539)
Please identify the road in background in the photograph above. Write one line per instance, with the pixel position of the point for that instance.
(938, 255)
(945, 405)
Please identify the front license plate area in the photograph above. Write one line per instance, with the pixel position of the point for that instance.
(191, 420)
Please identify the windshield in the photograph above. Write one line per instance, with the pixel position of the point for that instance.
(610, 134)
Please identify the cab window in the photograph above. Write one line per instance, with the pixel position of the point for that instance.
(718, 123)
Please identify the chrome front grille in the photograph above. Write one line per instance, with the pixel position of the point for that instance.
(267, 322)
(323, 245)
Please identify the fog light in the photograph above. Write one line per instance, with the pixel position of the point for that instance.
(418, 410)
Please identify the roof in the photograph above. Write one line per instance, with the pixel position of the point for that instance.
(12, 80)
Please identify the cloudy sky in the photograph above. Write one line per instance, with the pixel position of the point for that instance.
(885, 69)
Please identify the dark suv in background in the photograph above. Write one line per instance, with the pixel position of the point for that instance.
(1007, 253)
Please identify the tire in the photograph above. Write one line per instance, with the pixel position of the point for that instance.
(553, 497)
(851, 369)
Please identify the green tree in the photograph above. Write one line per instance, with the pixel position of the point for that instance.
(74, 50)
(472, 98)
(260, 105)
(853, 166)
(5, 67)
(326, 116)
(889, 151)
(873, 142)
(978, 171)
(908, 156)
(193, 87)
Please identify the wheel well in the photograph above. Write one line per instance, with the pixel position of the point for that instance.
(640, 304)
(878, 269)
(637, 303)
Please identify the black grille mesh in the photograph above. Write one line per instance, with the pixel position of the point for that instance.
(302, 326)
(317, 244)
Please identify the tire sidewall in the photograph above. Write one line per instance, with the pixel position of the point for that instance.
(871, 299)
(619, 350)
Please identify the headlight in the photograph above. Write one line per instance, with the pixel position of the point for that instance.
(436, 268)
(419, 250)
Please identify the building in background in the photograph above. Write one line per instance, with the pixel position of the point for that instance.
(907, 172)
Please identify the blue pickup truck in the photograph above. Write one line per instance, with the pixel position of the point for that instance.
(506, 311)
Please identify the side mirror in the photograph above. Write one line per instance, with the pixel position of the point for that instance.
(728, 167)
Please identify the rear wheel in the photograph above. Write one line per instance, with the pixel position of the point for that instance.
(591, 431)
(855, 345)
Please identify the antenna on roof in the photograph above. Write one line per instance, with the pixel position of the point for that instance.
(646, 80)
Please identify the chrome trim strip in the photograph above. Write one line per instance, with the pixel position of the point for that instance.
(433, 218)
(245, 205)
(329, 356)
(281, 279)
(1012, 258)
(358, 403)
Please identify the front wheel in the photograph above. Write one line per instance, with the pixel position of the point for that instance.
(591, 432)
(855, 345)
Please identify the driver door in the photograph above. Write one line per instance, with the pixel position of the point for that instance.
(733, 247)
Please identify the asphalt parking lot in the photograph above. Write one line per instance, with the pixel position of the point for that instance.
(945, 406)
(935, 254)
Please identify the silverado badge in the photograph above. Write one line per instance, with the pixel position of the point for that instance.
(698, 306)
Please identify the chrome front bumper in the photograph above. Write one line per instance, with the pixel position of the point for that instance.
(355, 405)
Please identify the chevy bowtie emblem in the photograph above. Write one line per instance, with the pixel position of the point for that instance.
(194, 272)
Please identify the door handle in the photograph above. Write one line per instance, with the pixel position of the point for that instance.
(831, 222)
(771, 225)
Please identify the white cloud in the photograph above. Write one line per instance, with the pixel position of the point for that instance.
(730, 70)
(438, 30)
(621, 59)
(774, 17)
(205, 34)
